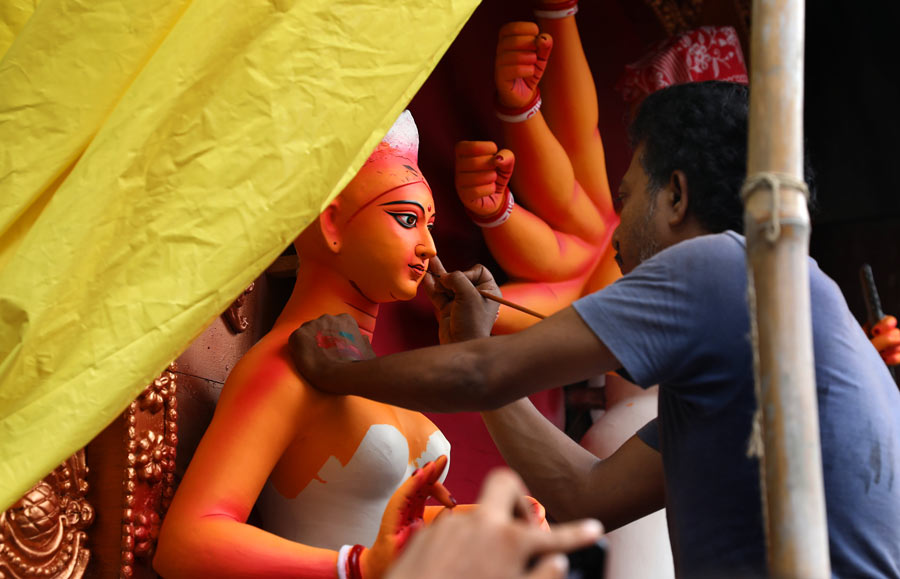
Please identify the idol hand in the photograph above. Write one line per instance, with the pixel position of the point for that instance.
(522, 54)
(482, 175)
(886, 339)
(403, 517)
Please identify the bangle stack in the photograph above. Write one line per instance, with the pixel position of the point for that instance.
(499, 218)
(557, 10)
(348, 566)
(518, 115)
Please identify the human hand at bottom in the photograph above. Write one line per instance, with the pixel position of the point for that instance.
(491, 542)
(402, 517)
(534, 512)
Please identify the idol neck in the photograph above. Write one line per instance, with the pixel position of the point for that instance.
(321, 290)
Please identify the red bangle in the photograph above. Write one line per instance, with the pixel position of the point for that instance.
(554, 10)
(353, 569)
(498, 218)
(519, 114)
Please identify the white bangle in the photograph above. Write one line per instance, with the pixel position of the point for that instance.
(520, 117)
(557, 14)
(342, 561)
(504, 215)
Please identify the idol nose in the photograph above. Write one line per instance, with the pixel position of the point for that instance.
(426, 249)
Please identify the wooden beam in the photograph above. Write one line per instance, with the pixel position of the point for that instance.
(777, 228)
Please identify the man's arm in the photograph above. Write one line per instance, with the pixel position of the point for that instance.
(570, 481)
(481, 374)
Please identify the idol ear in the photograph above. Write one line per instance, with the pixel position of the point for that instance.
(328, 223)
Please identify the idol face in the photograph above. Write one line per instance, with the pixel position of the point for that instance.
(387, 244)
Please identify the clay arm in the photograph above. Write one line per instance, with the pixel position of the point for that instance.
(525, 246)
(570, 481)
(545, 181)
(204, 532)
(570, 108)
(481, 374)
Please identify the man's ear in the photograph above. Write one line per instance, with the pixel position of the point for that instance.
(328, 223)
(678, 197)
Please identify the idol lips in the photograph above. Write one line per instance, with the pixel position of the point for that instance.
(419, 269)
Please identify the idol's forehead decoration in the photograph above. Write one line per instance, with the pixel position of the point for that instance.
(393, 164)
(403, 137)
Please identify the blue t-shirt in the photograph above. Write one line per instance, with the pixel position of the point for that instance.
(681, 320)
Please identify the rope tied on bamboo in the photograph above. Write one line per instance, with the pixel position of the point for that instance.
(773, 182)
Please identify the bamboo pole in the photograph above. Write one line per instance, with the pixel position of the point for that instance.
(791, 465)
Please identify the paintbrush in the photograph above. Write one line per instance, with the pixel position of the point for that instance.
(500, 300)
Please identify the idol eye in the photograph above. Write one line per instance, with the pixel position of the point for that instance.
(407, 220)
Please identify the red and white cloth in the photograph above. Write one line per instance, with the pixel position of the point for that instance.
(705, 53)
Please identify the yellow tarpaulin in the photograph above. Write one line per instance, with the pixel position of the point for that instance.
(155, 157)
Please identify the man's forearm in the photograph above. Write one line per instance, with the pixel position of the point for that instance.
(552, 465)
(481, 374)
(449, 378)
(570, 481)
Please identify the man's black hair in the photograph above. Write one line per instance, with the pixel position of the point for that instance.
(701, 129)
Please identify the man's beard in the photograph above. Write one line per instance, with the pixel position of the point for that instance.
(647, 242)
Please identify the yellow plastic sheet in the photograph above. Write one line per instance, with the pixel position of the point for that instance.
(156, 157)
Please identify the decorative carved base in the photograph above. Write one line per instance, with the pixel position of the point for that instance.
(42, 535)
(150, 439)
(132, 482)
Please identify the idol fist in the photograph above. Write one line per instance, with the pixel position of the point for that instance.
(522, 53)
(482, 175)
(886, 339)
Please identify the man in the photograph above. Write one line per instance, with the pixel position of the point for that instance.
(678, 318)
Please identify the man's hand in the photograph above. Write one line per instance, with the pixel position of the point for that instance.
(320, 344)
(490, 542)
(463, 313)
(481, 176)
(522, 54)
(403, 517)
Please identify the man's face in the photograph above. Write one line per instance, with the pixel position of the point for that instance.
(638, 235)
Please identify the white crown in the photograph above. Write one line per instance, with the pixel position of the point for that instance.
(404, 135)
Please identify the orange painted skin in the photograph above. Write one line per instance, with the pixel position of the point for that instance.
(559, 249)
(886, 339)
(371, 245)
